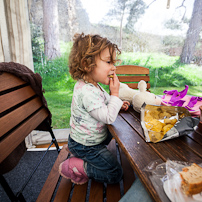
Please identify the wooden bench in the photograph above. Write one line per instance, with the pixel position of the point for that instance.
(132, 74)
(21, 111)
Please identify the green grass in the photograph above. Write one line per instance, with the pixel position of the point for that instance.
(166, 73)
(59, 103)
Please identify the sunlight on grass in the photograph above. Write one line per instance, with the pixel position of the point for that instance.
(59, 103)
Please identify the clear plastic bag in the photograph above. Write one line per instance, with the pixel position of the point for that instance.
(166, 179)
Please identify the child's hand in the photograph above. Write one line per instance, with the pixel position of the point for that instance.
(114, 85)
(125, 105)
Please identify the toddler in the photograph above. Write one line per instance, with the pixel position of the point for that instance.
(91, 62)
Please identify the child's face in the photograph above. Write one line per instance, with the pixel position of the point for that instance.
(104, 67)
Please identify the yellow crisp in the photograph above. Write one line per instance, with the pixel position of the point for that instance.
(164, 114)
(170, 121)
(157, 125)
(147, 117)
(166, 128)
(155, 136)
(155, 114)
(148, 125)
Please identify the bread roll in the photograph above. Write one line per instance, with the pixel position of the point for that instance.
(191, 179)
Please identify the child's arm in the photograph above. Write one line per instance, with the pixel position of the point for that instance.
(108, 113)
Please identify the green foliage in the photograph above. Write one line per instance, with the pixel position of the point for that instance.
(173, 25)
(165, 70)
(55, 73)
(173, 41)
(130, 10)
(37, 44)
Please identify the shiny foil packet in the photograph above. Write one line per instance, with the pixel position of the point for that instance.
(166, 122)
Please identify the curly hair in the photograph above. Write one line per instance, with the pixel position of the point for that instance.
(83, 52)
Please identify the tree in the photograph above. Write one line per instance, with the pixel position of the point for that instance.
(193, 32)
(126, 10)
(51, 29)
(72, 20)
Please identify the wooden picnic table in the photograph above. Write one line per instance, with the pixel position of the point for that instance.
(129, 135)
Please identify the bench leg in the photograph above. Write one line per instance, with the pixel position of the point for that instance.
(53, 136)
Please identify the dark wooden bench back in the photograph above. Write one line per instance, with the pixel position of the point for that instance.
(21, 111)
(132, 74)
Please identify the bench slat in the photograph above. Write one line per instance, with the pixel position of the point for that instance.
(96, 192)
(8, 144)
(13, 98)
(8, 81)
(12, 119)
(129, 69)
(64, 190)
(79, 193)
(133, 78)
(51, 182)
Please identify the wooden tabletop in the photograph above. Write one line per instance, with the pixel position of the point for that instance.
(129, 134)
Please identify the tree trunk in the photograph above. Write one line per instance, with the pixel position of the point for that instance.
(72, 21)
(121, 32)
(51, 29)
(193, 32)
(121, 25)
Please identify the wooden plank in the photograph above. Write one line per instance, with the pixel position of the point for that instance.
(50, 184)
(79, 193)
(8, 144)
(193, 145)
(13, 98)
(12, 119)
(8, 81)
(131, 69)
(135, 85)
(113, 192)
(184, 151)
(64, 189)
(128, 172)
(133, 78)
(196, 136)
(96, 191)
(133, 121)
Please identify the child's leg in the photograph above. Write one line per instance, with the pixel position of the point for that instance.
(100, 163)
(73, 168)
